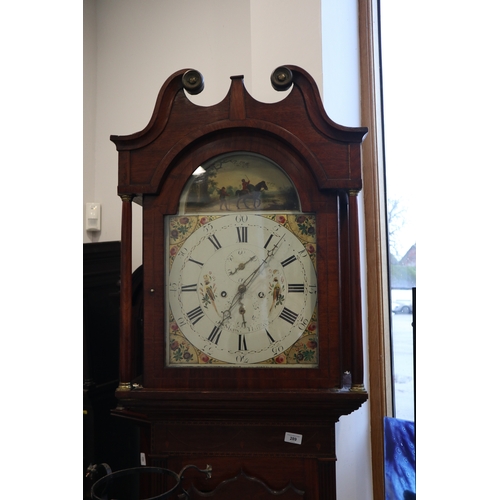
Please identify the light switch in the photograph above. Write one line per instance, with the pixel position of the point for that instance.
(93, 217)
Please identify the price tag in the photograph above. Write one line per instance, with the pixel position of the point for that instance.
(290, 437)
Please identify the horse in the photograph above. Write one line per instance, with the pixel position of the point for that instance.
(252, 194)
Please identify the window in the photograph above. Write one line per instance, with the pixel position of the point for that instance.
(400, 193)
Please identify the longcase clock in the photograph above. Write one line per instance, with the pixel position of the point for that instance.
(251, 316)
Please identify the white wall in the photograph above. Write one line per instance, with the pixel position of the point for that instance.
(140, 44)
(131, 47)
(89, 116)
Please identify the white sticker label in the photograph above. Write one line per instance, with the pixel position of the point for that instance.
(290, 437)
(143, 459)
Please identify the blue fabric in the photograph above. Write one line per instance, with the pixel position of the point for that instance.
(399, 452)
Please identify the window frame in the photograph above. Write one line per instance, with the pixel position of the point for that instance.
(377, 274)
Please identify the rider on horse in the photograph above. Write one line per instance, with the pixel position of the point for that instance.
(250, 194)
(245, 185)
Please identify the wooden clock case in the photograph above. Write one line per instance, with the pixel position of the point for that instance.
(235, 419)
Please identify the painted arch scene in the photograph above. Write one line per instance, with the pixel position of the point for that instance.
(239, 182)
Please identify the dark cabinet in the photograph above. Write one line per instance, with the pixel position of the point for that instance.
(106, 439)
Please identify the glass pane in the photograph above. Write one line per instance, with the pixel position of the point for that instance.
(399, 166)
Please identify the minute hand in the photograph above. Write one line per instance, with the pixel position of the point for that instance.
(270, 253)
(242, 287)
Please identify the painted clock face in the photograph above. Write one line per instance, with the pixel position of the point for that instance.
(241, 290)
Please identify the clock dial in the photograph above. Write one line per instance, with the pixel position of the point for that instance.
(241, 289)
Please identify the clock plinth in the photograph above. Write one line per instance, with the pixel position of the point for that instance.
(249, 300)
